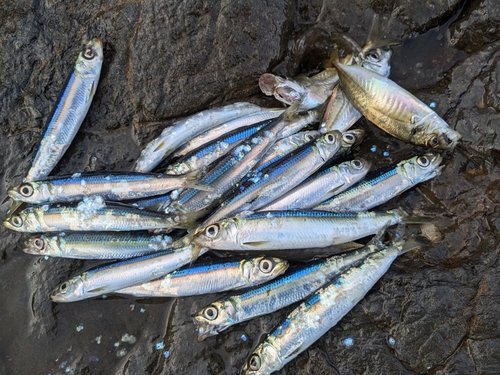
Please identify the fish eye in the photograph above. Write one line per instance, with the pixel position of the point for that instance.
(39, 243)
(254, 362)
(88, 53)
(212, 231)
(357, 164)
(309, 137)
(64, 287)
(373, 55)
(330, 138)
(434, 141)
(423, 161)
(266, 265)
(17, 221)
(210, 313)
(26, 190)
(348, 138)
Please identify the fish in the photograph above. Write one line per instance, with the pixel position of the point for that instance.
(321, 186)
(200, 158)
(393, 109)
(112, 277)
(98, 245)
(211, 278)
(88, 215)
(264, 115)
(183, 130)
(235, 165)
(69, 112)
(280, 230)
(295, 285)
(278, 178)
(319, 313)
(110, 186)
(376, 191)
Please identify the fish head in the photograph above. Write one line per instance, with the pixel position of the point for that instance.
(286, 91)
(36, 245)
(262, 269)
(329, 144)
(377, 60)
(217, 232)
(421, 168)
(89, 60)
(352, 138)
(356, 167)
(264, 360)
(214, 318)
(68, 291)
(24, 221)
(32, 192)
(432, 131)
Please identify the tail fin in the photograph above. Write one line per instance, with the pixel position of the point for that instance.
(375, 39)
(192, 181)
(408, 219)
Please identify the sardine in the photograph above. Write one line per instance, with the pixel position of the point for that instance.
(100, 245)
(183, 130)
(374, 192)
(317, 188)
(280, 230)
(292, 287)
(278, 178)
(318, 314)
(110, 186)
(88, 215)
(119, 275)
(200, 158)
(264, 115)
(393, 109)
(211, 278)
(70, 111)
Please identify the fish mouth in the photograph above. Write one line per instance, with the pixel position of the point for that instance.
(205, 330)
(452, 137)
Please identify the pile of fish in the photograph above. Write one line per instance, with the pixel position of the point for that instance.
(239, 179)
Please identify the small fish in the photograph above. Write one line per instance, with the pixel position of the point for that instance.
(200, 158)
(280, 230)
(318, 187)
(211, 278)
(374, 192)
(295, 285)
(183, 130)
(318, 314)
(119, 275)
(87, 216)
(70, 111)
(110, 186)
(259, 189)
(264, 115)
(100, 245)
(395, 110)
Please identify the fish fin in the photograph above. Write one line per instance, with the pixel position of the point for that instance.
(336, 188)
(243, 214)
(409, 219)
(349, 246)
(254, 243)
(91, 92)
(160, 146)
(193, 181)
(96, 290)
(197, 251)
(413, 244)
(375, 40)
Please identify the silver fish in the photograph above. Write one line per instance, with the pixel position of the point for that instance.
(88, 215)
(100, 245)
(110, 186)
(183, 130)
(70, 111)
(211, 278)
(258, 190)
(295, 285)
(368, 194)
(323, 310)
(321, 186)
(253, 118)
(280, 230)
(119, 275)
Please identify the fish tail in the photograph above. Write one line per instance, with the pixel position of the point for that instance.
(375, 39)
(406, 218)
(192, 181)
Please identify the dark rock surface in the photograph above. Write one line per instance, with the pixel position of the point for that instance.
(165, 60)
